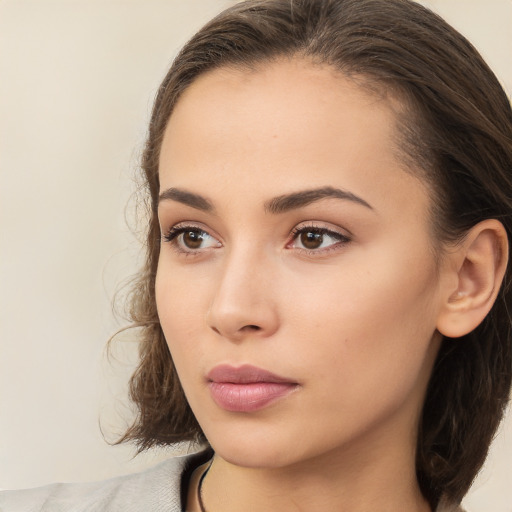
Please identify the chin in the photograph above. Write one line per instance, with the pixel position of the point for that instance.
(254, 458)
(253, 449)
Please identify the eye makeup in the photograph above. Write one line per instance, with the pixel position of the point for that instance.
(311, 238)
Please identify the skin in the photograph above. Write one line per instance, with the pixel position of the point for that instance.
(353, 323)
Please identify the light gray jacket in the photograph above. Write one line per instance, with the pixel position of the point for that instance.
(158, 489)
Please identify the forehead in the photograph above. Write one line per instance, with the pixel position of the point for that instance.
(281, 90)
(289, 123)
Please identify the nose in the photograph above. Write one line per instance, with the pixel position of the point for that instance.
(244, 302)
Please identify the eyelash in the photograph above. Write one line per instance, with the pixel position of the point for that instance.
(340, 238)
(174, 232)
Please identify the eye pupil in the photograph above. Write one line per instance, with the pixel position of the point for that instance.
(193, 239)
(311, 240)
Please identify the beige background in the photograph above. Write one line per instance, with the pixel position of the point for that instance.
(77, 78)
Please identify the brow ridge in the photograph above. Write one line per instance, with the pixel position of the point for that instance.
(276, 205)
(287, 202)
(188, 198)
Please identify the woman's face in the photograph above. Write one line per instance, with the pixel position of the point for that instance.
(297, 285)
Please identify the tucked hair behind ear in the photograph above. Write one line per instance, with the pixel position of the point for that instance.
(455, 132)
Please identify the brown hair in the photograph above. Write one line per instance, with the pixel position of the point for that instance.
(457, 131)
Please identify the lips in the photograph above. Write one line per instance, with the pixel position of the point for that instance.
(247, 388)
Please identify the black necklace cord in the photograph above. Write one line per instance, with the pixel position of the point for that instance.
(200, 488)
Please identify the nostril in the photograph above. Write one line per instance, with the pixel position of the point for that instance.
(245, 328)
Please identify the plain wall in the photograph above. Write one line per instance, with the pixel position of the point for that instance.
(77, 79)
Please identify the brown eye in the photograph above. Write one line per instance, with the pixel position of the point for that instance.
(192, 239)
(317, 239)
(311, 240)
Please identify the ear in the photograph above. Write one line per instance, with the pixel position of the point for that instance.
(476, 269)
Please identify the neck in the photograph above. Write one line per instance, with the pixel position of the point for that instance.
(385, 482)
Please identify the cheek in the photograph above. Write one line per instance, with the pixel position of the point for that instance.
(180, 304)
(373, 321)
(180, 308)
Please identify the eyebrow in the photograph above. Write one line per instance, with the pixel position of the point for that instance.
(277, 205)
(287, 202)
(188, 198)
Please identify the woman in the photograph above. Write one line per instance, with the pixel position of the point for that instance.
(325, 298)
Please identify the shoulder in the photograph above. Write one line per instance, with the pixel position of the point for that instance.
(157, 489)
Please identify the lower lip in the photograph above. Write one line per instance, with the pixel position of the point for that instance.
(248, 397)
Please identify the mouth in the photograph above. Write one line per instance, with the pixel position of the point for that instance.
(247, 388)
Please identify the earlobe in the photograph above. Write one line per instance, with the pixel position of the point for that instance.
(478, 266)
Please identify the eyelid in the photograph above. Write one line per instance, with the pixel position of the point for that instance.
(172, 234)
(342, 237)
